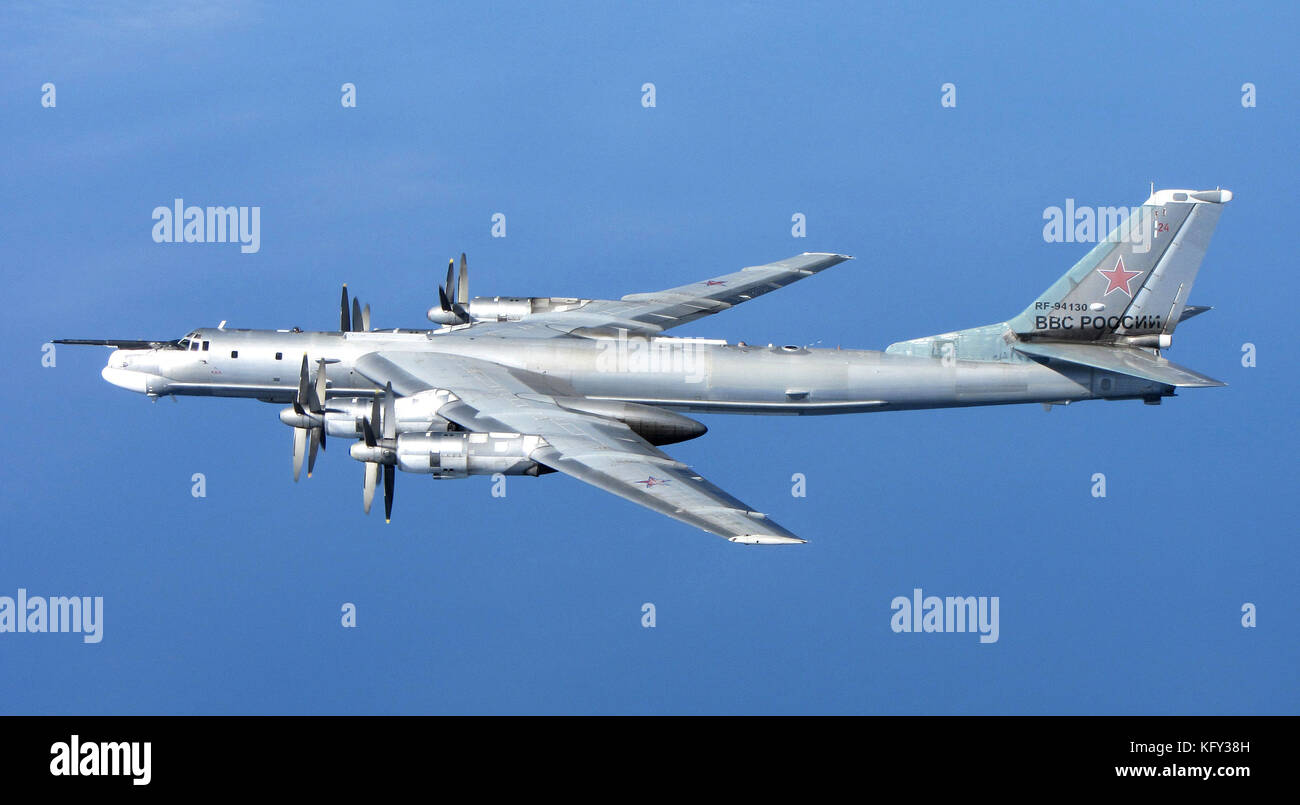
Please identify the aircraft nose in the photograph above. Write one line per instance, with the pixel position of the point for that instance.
(119, 373)
(127, 379)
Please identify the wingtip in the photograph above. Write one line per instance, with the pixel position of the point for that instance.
(765, 539)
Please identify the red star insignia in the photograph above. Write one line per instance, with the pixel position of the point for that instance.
(715, 282)
(1118, 278)
(652, 481)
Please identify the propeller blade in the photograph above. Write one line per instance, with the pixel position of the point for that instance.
(321, 385)
(443, 301)
(356, 314)
(303, 386)
(389, 471)
(462, 290)
(313, 443)
(368, 485)
(345, 321)
(451, 280)
(365, 318)
(299, 448)
(389, 427)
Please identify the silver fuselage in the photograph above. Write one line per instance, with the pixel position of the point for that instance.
(681, 374)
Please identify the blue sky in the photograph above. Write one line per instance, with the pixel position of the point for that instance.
(532, 603)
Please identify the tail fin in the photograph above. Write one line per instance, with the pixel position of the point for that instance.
(1130, 290)
(1133, 287)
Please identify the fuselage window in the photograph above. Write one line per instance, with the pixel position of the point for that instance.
(234, 353)
(205, 346)
(279, 356)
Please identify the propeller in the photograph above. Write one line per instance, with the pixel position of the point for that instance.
(462, 289)
(309, 403)
(353, 319)
(379, 450)
(453, 296)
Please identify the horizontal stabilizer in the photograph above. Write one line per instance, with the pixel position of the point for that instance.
(1193, 310)
(1121, 360)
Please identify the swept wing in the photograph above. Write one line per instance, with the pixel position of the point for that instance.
(602, 452)
(656, 311)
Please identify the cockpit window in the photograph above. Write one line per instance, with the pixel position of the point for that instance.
(188, 342)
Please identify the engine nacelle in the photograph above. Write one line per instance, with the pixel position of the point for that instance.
(655, 425)
(458, 454)
(500, 308)
(415, 414)
(506, 308)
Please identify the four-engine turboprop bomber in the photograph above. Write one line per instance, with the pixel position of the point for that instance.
(592, 388)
